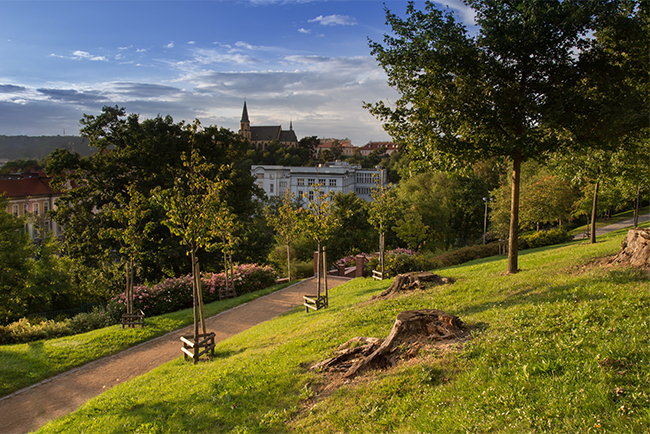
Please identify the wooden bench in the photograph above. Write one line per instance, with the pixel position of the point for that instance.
(378, 275)
(133, 320)
(194, 350)
(314, 302)
(227, 292)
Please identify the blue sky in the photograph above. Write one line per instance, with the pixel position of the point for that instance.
(302, 61)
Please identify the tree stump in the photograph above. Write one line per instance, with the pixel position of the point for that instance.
(413, 281)
(412, 329)
(635, 249)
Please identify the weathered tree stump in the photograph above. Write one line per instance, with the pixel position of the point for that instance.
(412, 330)
(413, 281)
(635, 249)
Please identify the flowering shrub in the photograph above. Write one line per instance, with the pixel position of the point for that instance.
(176, 293)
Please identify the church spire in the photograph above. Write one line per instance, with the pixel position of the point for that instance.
(244, 115)
(244, 124)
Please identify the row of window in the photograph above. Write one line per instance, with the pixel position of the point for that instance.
(312, 181)
(35, 209)
(363, 190)
(367, 178)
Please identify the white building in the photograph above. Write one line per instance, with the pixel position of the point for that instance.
(334, 176)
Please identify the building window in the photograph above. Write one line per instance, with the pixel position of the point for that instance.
(332, 182)
(300, 194)
(15, 210)
(301, 181)
(283, 185)
(271, 175)
(46, 208)
(35, 207)
(260, 184)
(311, 195)
(311, 181)
(25, 208)
(271, 188)
(322, 182)
(260, 176)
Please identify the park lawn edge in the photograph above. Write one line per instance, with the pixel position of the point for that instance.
(23, 365)
(556, 348)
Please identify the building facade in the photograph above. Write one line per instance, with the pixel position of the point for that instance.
(260, 137)
(30, 195)
(332, 177)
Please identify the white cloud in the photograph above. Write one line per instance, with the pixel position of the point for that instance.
(301, 30)
(335, 20)
(466, 13)
(80, 55)
(141, 50)
(191, 42)
(125, 48)
(170, 45)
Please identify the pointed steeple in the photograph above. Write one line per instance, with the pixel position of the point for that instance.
(244, 115)
(291, 125)
(244, 124)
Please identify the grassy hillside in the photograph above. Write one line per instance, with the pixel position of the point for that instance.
(560, 347)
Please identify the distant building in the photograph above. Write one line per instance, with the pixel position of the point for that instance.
(260, 137)
(381, 147)
(347, 148)
(333, 176)
(30, 194)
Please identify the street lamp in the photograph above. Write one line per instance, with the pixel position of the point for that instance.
(486, 200)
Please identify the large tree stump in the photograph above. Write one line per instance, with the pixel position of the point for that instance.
(635, 249)
(412, 330)
(412, 281)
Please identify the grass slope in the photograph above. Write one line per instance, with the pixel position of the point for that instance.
(560, 347)
(22, 365)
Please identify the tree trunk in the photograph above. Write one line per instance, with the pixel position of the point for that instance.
(513, 244)
(195, 297)
(288, 262)
(199, 293)
(593, 214)
(318, 268)
(636, 208)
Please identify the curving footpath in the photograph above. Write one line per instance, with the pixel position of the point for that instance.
(28, 409)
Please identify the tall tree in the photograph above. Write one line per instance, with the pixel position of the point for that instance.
(284, 222)
(466, 98)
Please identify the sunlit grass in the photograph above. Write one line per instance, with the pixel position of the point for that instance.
(562, 346)
(22, 365)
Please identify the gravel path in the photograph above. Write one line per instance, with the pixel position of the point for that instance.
(30, 408)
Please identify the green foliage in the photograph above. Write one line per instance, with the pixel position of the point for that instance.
(354, 233)
(16, 250)
(401, 261)
(469, 253)
(547, 237)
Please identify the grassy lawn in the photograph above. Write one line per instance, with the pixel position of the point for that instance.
(561, 347)
(22, 365)
(614, 219)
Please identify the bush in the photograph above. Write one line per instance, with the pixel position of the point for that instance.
(400, 261)
(25, 330)
(547, 237)
(174, 294)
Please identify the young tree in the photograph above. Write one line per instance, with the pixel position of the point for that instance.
(284, 222)
(319, 222)
(193, 207)
(383, 210)
(467, 98)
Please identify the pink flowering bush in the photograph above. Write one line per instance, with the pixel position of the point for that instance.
(176, 293)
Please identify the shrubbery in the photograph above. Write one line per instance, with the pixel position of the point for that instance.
(25, 330)
(176, 293)
(547, 237)
(400, 261)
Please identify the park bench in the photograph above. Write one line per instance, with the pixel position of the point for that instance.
(378, 275)
(132, 320)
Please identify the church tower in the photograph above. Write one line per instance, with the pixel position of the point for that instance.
(245, 124)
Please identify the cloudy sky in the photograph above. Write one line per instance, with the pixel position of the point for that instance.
(292, 60)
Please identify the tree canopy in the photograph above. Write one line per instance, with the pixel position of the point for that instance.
(504, 91)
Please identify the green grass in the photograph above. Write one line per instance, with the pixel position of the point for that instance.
(562, 346)
(22, 365)
(613, 219)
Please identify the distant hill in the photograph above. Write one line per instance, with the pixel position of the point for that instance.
(37, 147)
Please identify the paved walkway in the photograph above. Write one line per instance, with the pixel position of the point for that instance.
(613, 227)
(30, 408)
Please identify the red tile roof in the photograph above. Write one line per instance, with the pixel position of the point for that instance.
(24, 185)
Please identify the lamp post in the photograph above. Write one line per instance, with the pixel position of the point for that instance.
(486, 200)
